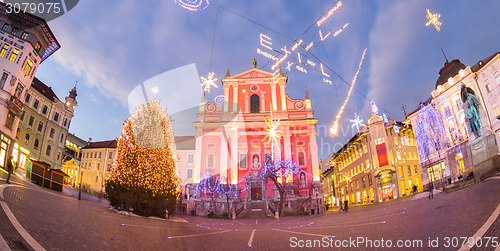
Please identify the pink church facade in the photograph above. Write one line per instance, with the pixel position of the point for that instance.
(230, 136)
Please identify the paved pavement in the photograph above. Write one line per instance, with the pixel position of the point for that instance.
(58, 222)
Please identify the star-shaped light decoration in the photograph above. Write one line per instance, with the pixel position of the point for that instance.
(433, 19)
(407, 123)
(357, 122)
(208, 82)
(273, 134)
(155, 89)
(235, 129)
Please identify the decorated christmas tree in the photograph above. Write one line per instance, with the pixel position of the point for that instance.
(144, 175)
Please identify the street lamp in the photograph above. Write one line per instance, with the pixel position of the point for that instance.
(80, 184)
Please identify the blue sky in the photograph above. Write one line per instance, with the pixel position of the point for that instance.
(111, 47)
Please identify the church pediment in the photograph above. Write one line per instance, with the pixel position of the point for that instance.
(251, 73)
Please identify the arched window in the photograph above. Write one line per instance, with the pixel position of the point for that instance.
(254, 104)
(48, 150)
(36, 144)
(26, 139)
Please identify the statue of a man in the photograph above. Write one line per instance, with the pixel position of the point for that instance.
(472, 105)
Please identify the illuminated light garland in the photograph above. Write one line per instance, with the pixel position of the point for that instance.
(208, 82)
(301, 69)
(220, 100)
(193, 5)
(282, 169)
(329, 14)
(309, 46)
(321, 35)
(298, 56)
(281, 59)
(356, 122)
(152, 166)
(429, 131)
(288, 65)
(266, 54)
(296, 45)
(213, 185)
(433, 19)
(340, 30)
(323, 71)
(335, 126)
(265, 43)
(327, 81)
(273, 135)
(374, 107)
(384, 117)
(396, 129)
(309, 62)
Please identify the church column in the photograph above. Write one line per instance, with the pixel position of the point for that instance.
(287, 146)
(283, 98)
(235, 97)
(226, 95)
(314, 155)
(273, 95)
(234, 159)
(197, 159)
(223, 156)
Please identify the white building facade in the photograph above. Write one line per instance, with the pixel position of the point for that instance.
(25, 41)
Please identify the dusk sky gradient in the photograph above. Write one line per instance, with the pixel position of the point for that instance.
(111, 47)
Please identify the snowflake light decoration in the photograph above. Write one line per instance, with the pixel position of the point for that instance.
(433, 19)
(273, 134)
(208, 82)
(357, 122)
(155, 89)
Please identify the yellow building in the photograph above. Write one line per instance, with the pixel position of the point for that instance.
(379, 163)
(72, 169)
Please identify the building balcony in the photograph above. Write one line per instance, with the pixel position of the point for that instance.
(15, 105)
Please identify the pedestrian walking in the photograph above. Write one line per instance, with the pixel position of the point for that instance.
(431, 189)
(346, 205)
(414, 189)
(10, 169)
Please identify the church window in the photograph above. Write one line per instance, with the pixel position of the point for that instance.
(254, 104)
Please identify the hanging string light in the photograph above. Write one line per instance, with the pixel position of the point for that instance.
(335, 127)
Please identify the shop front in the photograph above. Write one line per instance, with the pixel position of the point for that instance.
(387, 184)
(20, 155)
(4, 149)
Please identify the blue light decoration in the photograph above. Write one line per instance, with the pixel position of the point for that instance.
(396, 129)
(193, 5)
(384, 117)
(429, 131)
(213, 184)
(374, 107)
(282, 168)
(220, 100)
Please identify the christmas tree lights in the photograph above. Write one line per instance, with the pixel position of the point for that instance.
(145, 168)
(429, 131)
